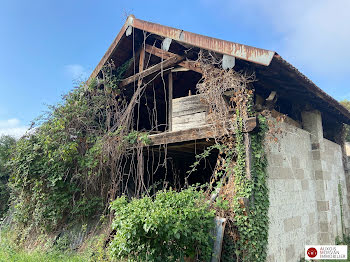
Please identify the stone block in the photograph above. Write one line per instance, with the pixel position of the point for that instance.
(316, 155)
(320, 190)
(292, 223)
(312, 217)
(299, 173)
(319, 175)
(324, 216)
(290, 253)
(312, 122)
(270, 258)
(295, 162)
(311, 229)
(280, 173)
(304, 184)
(324, 227)
(327, 175)
(322, 205)
(324, 239)
(315, 146)
(276, 160)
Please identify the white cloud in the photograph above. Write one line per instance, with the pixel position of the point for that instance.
(12, 127)
(76, 72)
(317, 34)
(314, 34)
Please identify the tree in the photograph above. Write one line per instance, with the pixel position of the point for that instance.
(6, 145)
(346, 104)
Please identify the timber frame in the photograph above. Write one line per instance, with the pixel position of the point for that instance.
(168, 56)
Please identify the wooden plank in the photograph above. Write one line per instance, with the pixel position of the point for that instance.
(153, 69)
(189, 64)
(170, 101)
(203, 132)
(188, 105)
(187, 110)
(189, 121)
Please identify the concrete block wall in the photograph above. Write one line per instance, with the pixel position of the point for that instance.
(293, 206)
(304, 173)
(335, 177)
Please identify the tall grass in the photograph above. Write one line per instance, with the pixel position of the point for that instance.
(11, 252)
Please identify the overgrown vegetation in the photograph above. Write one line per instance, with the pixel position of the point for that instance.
(87, 152)
(171, 226)
(6, 145)
(239, 180)
(10, 251)
(61, 171)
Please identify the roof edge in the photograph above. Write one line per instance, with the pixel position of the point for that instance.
(245, 52)
(312, 87)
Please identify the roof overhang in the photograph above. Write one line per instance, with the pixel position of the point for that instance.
(244, 52)
(260, 57)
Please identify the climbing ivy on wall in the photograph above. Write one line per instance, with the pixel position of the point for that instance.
(340, 193)
(248, 215)
(240, 187)
(253, 225)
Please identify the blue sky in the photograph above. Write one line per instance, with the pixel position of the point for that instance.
(46, 45)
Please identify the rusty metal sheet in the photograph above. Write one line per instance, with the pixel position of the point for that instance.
(248, 53)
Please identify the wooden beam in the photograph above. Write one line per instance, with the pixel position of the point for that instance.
(170, 111)
(153, 69)
(141, 65)
(198, 133)
(142, 60)
(191, 65)
(159, 52)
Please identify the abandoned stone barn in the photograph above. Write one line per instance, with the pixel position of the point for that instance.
(307, 164)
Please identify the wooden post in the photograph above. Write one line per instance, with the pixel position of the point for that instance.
(141, 65)
(170, 111)
(218, 236)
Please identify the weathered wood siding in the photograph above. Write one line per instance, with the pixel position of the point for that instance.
(188, 112)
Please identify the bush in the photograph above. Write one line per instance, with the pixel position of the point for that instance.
(6, 145)
(168, 227)
(55, 169)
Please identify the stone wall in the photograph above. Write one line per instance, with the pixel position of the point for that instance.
(305, 171)
(334, 173)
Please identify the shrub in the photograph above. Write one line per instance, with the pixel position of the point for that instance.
(168, 227)
(6, 145)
